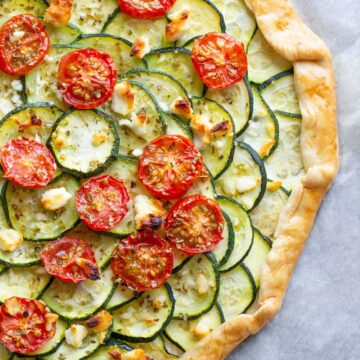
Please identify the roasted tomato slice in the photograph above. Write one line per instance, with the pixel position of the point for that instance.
(27, 163)
(23, 44)
(219, 59)
(169, 166)
(70, 260)
(195, 224)
(146, 9)
(143, 261)
(25, 324)
(87, 78)
(101, 202)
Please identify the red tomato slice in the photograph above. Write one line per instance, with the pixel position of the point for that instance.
(87, 78)
(70, 260)
(27, 163)
(146, 9)
(169, 166)
(101, 202)
(195, 224)
(219, 59)
(25, 324)
(23, 44)
(143, 261)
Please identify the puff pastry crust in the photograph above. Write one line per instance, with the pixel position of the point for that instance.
(315, 86)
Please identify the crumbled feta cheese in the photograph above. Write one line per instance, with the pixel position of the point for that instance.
(159, 301)
(137, 152)
(100, 322)
(55, 199)
(75, 335)
(137, 354)
(181, 106)
(149, 212)
(137, 124)
(201, 329)
(140, 47)
(273, 185)
(16, 85)
(202, 284)
(179, 24)
(123, 99)
(16, 35)
(10, 239)
(245, 183)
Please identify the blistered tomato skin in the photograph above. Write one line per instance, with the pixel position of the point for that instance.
(24, 43)
(219, 59)
(25, 325)
(70, 260)
(101, 202)
(169, 166)
(143, 261)
(87, 78)
(195, 224)
(146, 9)
(27, 163)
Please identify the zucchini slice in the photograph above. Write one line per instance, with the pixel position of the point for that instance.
(28, 254)
(121, 296)
(32, 120)
(91, 15)
(237, 100)
(266, 215)
(91, 343)
(262, 132)
(195, 287)
(75, 145)
(155, 349)
(10, 8)
(164, 87)
(171, 348)
(26, 214)
(29, 282)
(102, 246)
(264, 62)
(79, 301)
(203, 18)
(245, 178)
(11, 90)
(102, 353)
(139, 320)
(280, 94)
(177, 63)
(286, 164)
(204, 186)
(118, 48)
(5, 354)
(41, 84)
(137, 137)
(3, 268)
(63, 35)
(174, 126)
(257, 256)
(223, 250)
(243, 231)
(186, 333)
(240, 21)
(130, 28)
(54, 343)
(219, 151)
(125, 169)
(237, 291)
(180, 259)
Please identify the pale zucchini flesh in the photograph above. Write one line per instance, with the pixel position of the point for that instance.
(174, 126)
(263, 61)
(237, 291)
(121, 296)
(262, 132)
(237, 100)
(27, 215)
(79, 301)
(10, 8)
(63, 35)
(29, 282)
(192, 296)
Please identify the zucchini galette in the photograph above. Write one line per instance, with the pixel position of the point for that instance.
(162, 162)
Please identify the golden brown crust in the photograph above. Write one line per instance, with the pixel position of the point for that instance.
(59, 12)
(315, 86)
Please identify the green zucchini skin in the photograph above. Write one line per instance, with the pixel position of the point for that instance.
(140, 339)
(266, 83)
(181, 265)
(102, 167)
